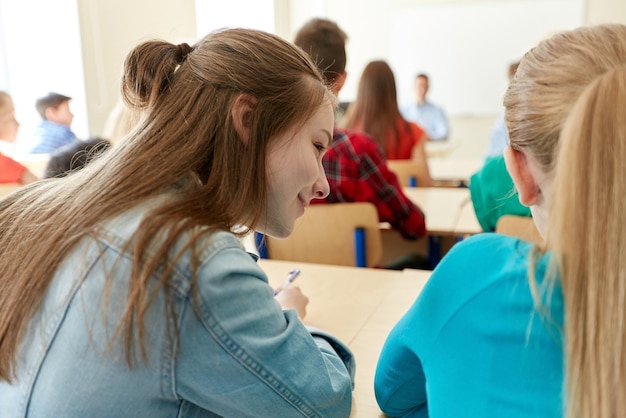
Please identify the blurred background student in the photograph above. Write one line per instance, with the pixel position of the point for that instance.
(375, 112)
(74, 157)
(54, 130)
(10, 170)
(425, 113)
(354, 164)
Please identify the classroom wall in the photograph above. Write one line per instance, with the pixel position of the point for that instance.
(109, 30)
(373, 33)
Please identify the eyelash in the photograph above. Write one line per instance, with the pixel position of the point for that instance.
(320, 148)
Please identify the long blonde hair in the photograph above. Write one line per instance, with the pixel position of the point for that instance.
(187, 142)
(571, 89)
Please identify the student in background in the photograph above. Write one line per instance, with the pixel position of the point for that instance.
(73, 157)
(493, 194)
(530, 333)
(375, 112)
(124, 285)
(499, 136)
(355, 167)
(425, 113)
(10, 170)
(56, 119)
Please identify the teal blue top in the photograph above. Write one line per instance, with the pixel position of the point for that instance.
(473, 345)
(493, 194)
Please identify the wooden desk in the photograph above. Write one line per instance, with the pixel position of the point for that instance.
(357, 305)
(453, 171)
(449, 216)
(36, 163)
(448, 211)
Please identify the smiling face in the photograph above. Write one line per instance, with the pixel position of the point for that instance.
(295, 172)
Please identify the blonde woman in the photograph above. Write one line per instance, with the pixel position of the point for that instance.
(503, 329)
(125, 292)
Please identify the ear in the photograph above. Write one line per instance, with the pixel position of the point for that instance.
(241, 113)
(50, 113)
(338, 83)
(525, 182)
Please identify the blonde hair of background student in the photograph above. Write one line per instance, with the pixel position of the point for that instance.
(213, 114)
(587, 194)
(375, 112)
(9, 127)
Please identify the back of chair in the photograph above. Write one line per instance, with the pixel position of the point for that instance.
(522, 227)
(407, 171)
(325, 234)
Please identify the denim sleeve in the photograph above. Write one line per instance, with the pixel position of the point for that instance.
(241, 355)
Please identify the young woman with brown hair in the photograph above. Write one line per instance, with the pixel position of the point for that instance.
(125, 289)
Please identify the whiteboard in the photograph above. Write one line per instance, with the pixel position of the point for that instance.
(466, 48)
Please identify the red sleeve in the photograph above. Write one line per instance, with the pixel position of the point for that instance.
(10, 170)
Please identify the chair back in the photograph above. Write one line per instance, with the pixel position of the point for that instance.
(345, 234)
(522, 227)
(407, 171)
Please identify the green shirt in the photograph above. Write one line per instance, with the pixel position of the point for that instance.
(493, 194)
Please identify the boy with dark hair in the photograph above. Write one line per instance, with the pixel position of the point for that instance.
(54, 130)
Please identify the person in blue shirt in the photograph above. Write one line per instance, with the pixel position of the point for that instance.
(507, 329)
(428, 115)
(499, 135)
(126, 290)
(54, 131)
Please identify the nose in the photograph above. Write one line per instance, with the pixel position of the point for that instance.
(321, 188)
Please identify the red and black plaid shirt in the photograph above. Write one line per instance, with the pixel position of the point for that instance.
(358, 172)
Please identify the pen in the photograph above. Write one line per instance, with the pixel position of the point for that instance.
(290, 278)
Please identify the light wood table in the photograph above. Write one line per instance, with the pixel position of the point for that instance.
(453, 171)
(36, 163)
(450, 217)
(448, 211)
(357, 305)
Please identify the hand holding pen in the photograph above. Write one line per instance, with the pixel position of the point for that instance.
(291, 297)
(293, 274)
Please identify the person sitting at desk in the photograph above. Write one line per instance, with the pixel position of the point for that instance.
(425, 113)
(493, 194)
(355, 166)
(375, 112)
(125, 290)
(56, 119)
(513, 330)
(10, 170)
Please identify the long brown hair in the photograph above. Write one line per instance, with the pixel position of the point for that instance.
(587, 221)
(375, 110)
(185, 143)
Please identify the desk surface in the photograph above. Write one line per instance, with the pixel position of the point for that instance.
(448, 210)
(453, 169)
(358, 306)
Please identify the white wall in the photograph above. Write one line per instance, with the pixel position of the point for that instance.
(42, 54)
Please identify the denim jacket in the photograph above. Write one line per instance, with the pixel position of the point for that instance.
(238, 353)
